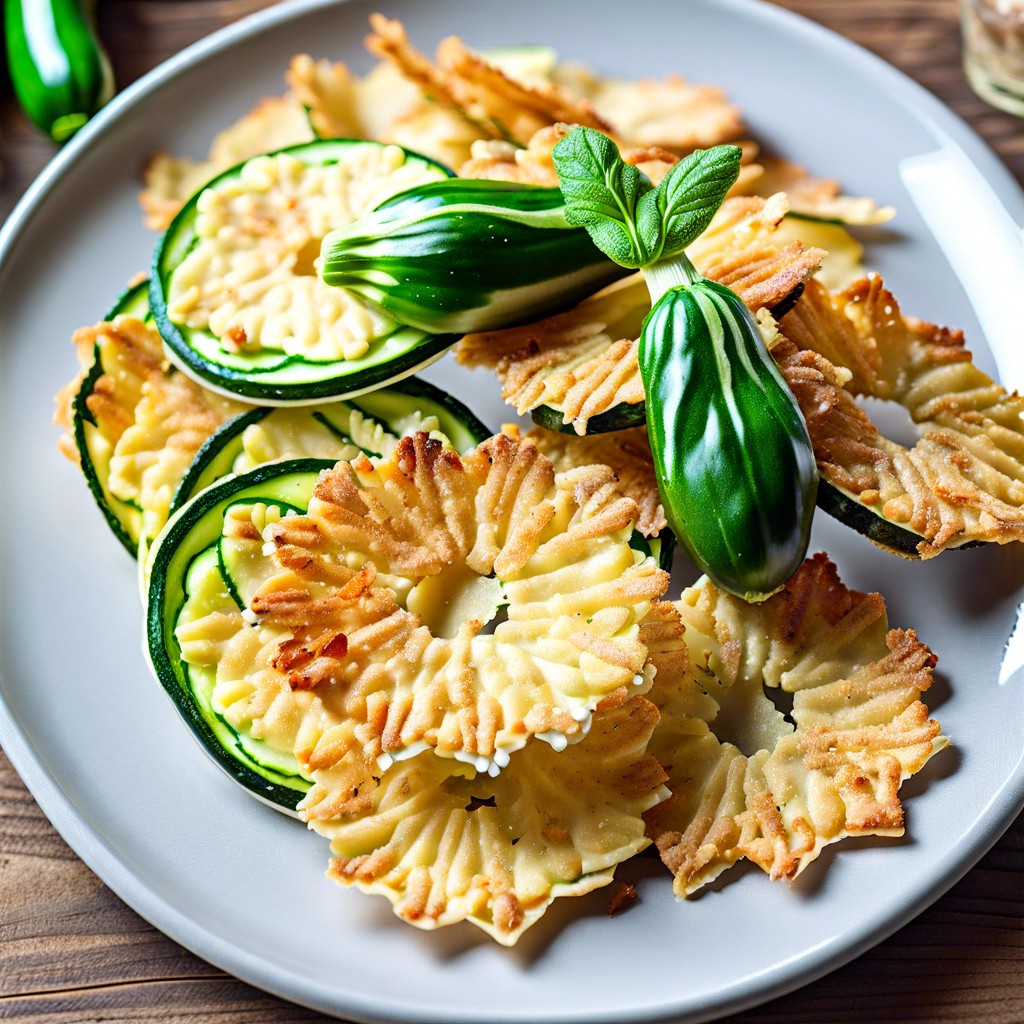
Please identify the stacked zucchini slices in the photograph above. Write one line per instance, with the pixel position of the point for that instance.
(422, 639)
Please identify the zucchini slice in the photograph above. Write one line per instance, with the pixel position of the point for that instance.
(94, 450)
(961, 482)
(187, 585)
(301, 632)
(234, 288)
(339, 430)
(136, 423)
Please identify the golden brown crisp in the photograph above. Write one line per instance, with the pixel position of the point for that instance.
(146, 420)
(963, 480)
(750, 781)
(627, 452)
(409, 558)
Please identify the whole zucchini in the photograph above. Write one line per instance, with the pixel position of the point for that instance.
(732, 455)
(731, 449)
(59, 69)
(462, 255)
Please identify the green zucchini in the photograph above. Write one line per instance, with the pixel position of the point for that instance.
(186, 580)
(338, 430)
(272, 375)
(870, 521)
(732, 454)
(123, 517)
(465, 255)
(623, 415)
(661, 548)
(59, 69)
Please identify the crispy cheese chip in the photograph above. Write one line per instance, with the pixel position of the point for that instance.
(371, 607)
(249, 278)
(747, 780)
(671, 113)
(146, 420)
(497, 105)
(328, 92)
(445, 844)
(819, 198)
(626, 452)
(584, 362)
(273, 123)
(499, 160)
(963, 480)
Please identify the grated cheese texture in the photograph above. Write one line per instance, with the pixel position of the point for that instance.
(962, 481)
(445, 844)
(371, 608)
(752, 781)
(251, 278)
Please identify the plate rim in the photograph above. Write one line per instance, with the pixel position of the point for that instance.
(1006, 802)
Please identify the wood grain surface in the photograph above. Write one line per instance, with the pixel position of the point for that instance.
(71, 951)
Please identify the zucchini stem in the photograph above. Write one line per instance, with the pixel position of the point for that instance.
(674, 272)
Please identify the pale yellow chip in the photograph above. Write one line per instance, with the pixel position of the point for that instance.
(963, 480)
(672, 113)
(820, 198)
(370, 636)
(584, 362)
(445, 844)
(170, 181)
(148, 419)
(302, 433)
(751, 781)
(478, 90)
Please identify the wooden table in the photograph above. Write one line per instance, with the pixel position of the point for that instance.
(70, 951)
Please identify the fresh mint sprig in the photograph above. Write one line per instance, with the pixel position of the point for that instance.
(630, 220)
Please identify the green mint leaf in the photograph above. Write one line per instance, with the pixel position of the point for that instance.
(690, 194)
(601, 194)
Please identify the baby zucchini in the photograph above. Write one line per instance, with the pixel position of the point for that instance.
(60, 72)
(234, 288)
(466, 255)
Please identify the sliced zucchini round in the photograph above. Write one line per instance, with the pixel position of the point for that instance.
(195, 574)
(123, 517)
(335, 430)
(234, 289)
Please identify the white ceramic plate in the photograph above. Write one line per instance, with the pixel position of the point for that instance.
(102, 749)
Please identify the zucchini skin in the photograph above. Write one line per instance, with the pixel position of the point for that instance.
(623, 415)
(731, 450)
(60, 71)
(450, 257)
(419, 393)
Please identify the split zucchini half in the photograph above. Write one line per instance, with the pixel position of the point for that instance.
(235, 293)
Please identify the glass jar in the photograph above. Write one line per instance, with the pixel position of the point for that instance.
(994, 51)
